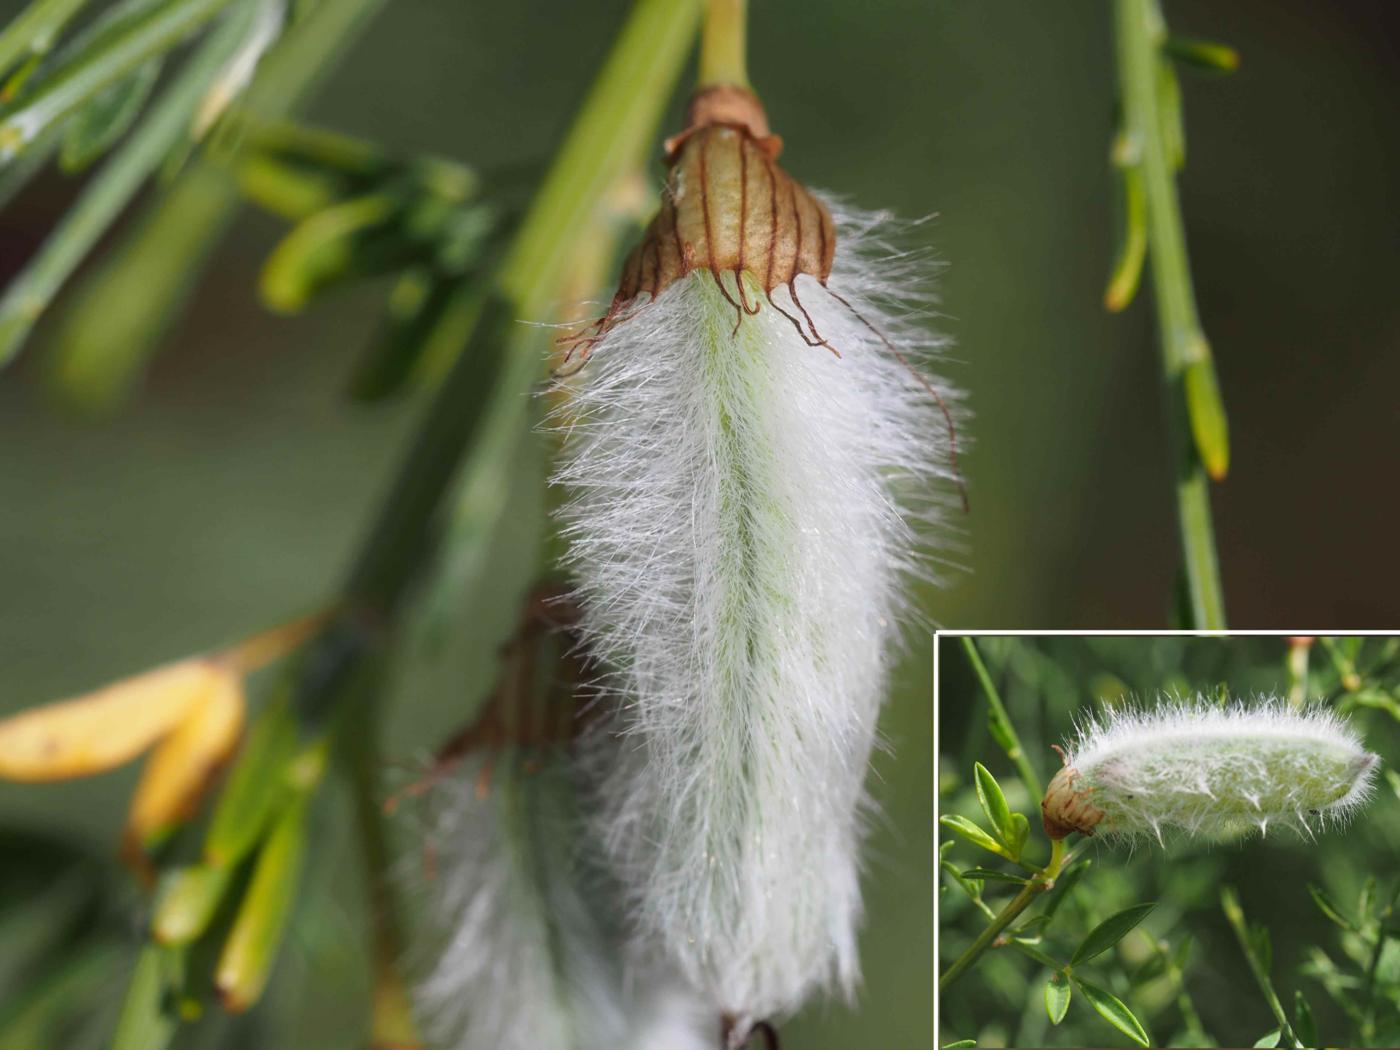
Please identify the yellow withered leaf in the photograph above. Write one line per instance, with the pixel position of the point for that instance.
(103, 729)
(182, 765)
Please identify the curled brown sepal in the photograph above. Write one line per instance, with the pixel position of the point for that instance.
(1066, 806)
(729, 208)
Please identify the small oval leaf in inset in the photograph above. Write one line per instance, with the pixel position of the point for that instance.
(1109, 932)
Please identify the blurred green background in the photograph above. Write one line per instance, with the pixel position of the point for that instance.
(234, 490)
(1045, 683)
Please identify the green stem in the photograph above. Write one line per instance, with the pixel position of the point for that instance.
(1368, 1027)
(1042, 881)
(502, 359)
(1001, 723)
(485, 395)
(723, 43)
(1230, 903)
(1185, 354)
(391, 1017)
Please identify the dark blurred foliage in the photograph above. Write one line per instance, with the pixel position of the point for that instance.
(1045, 682)
(234, 490)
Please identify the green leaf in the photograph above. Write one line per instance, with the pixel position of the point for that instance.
(148, 1020)
(1330, 909)
(1270, 1038)
(1132, 240)
(323, 249)
(1182, 953)
(1203, 54)
(1367, 898)
(251, 948)
(1002, 734)
(419, 307)
(1057, 996)
(974, 834)
(1261, 945)
(1114, 1011)
(1109, 932)
(960, 1044)
(991, 875)
(1393, 779)
(1209, 424)
(1031, 927)
(187, 902)
(1171, 118)
(253, 787)
(1020, 831)
(1154, 967)
(1304, 1027)
(993, 802)
(107, 117)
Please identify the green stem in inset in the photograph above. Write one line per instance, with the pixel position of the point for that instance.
(1000, 722)
(1040, 882)
(1230, 903)
(1195, 416)
(723, 43)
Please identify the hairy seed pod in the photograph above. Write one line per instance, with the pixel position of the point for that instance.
(748, 452)
(516, 954)
(1212, 772)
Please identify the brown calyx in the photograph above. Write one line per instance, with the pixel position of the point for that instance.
(729, 208)
(1066, 806)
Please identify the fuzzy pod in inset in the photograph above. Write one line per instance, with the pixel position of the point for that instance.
(1210, 771)
(750, 452)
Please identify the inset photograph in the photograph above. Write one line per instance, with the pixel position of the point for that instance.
(1168, 840)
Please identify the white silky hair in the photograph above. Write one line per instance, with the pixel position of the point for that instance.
(744, 515)
(520, 950)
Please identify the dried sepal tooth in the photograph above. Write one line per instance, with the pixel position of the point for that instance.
(731, 209)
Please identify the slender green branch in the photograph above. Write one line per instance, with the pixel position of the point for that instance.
(1368, 1026)
(503, 359)
(391, 1017)
(722, 45)
(963, 885)
(1195, 416)
(1000, 723)
(486, 392)
(1042, 881)
(1230, 903)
